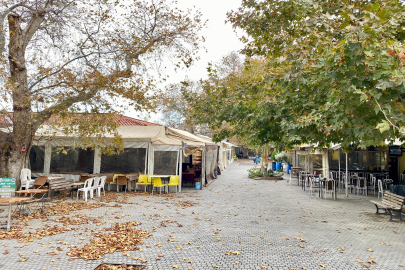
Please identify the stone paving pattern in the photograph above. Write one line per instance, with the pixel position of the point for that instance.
(268, 223)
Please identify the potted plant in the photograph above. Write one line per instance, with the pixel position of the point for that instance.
(280, 157)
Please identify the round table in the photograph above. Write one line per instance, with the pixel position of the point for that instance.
(11, 200)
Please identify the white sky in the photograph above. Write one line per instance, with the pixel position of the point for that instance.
(220, 40)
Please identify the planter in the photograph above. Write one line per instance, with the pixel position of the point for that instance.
(267, 178)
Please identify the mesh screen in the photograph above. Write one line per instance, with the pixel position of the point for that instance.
(165, 162)
(72, 160)
(211, 161)
(129, 161)
(37, 158)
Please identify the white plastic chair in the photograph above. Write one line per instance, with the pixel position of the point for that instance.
(372, 183)
(25, 177)
(101, 186)
(313, 185)
(380, 189)
(94, 186)
(327, 188)
(85, 189)
(361, 185)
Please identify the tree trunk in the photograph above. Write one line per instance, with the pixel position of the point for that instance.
(17, 148)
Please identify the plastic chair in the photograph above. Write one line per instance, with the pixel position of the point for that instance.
(313, 185)
(122, 181)
(142, 181)
(174, 181)
(85, 189)
(25, 177)
(157, 182)
(328, 187)
(109, 180)
(372, 183)
(361, 185)
(101, 185)
(380, 189)
(94, 186)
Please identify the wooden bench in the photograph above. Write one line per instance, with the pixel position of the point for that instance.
(59, 184)
(390, 202)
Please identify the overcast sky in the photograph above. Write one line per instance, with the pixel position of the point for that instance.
(220, 37)
(220, 40)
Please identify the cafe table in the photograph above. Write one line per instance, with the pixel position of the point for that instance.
(11, 200)
(32, 192)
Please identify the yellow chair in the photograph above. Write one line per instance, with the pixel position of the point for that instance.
(142, 181)
(157, 182)
(174, 181)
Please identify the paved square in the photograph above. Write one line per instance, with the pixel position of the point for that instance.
(235, 223)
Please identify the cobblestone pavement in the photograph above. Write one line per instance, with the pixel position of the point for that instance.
(266, 225)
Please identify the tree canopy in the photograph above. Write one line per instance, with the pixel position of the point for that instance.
(60, 56)
(317, 72)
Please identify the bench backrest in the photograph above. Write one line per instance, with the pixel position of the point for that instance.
(394, 199)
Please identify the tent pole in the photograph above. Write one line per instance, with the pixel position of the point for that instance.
(203, 165)
(347, 190)
(180, 168)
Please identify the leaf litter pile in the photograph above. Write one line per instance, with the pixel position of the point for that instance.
(123, 238)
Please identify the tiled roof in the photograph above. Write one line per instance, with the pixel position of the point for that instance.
(122, 120)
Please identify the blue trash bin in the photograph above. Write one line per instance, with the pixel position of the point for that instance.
(289, 166)
(273, 166)
(278, 166)
(198, 185)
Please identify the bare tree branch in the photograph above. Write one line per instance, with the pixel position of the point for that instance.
(34, 24)
(2, 17)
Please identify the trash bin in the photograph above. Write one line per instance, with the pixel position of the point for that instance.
(273, 166)
(278, 166)
(198, 185)
(289, 166)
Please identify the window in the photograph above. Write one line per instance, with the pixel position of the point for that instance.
(129, 161)
(37, 158)
(165, 162)
(72, 160)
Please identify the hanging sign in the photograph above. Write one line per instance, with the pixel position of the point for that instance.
(7, 187)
